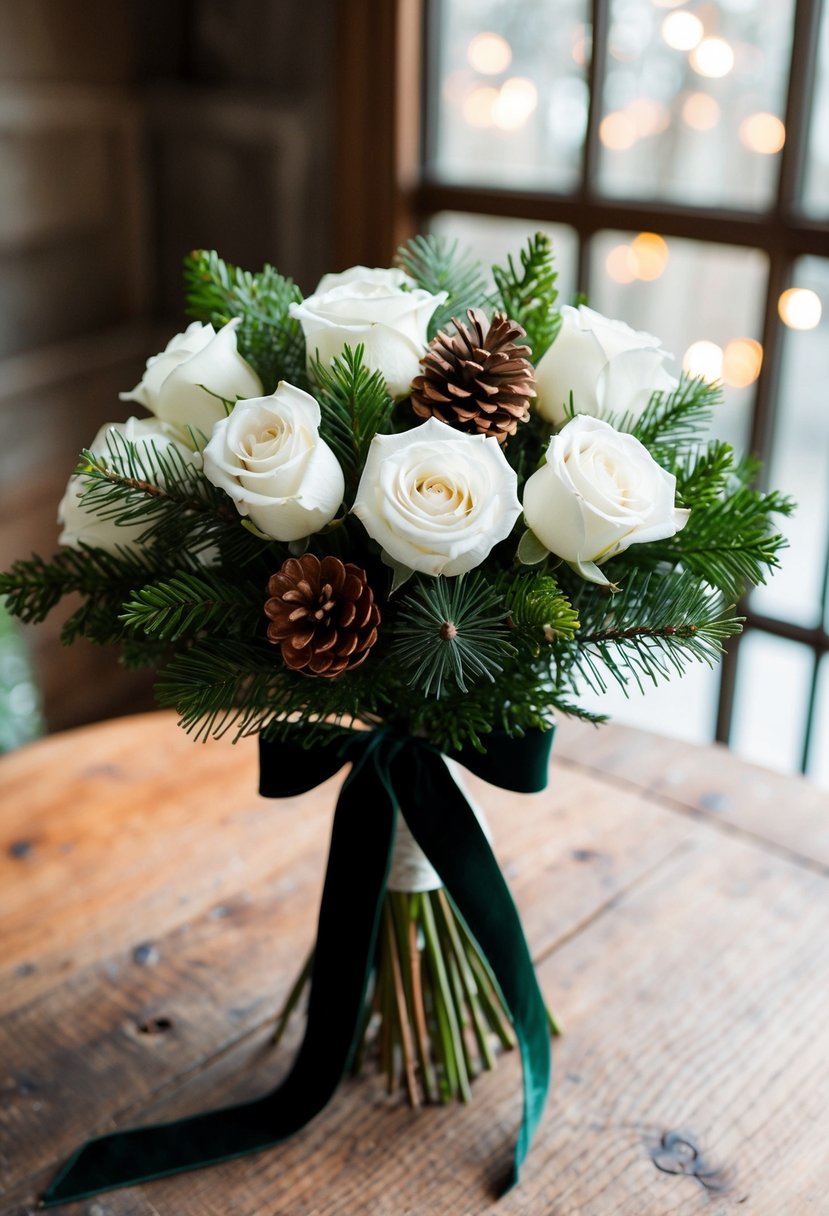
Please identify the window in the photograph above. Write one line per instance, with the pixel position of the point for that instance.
(678, 154)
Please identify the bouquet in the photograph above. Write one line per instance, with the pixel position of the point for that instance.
(400, 523)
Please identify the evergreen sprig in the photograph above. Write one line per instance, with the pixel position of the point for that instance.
(223, 684)
(653, 627)
(672, 424)
(451, 630)
(540, 612)
(165, 489)
(436, 264)
(268, 336)
(190, 604)
(355, 406)
(528, 293)
(728, 541)
(34, 586)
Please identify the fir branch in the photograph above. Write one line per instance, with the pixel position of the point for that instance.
(190, 604)
(672, 423)
(652, 628)
(436, 265)
(451, 629)
(34, 586)
(728, 541)
(184, 513)
(268, 337)
(355, 406)
(539, 611)
(224, 684)
(528, 294)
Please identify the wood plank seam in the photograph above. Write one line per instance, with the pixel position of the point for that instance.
(698, 814)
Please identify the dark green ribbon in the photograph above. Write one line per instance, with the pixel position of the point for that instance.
(388, 771)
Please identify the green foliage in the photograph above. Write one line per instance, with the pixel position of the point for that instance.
(650, 629)
(224, 684)
(673, 424)
(190, 604)
(539, 611)
(451, 629)
(163, 487)
(34, 586)
(436, 265)
(355, 406)
(528, 293)
(268, 337)
(728, 541)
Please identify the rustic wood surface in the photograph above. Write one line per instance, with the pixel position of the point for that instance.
(154, 911)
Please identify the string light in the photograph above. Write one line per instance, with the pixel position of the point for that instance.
(517, 99)
(704, 359)
(489, 54)
(713, 58)
(742, 360)
(478, 106)
(617, 131)
(700, 112)
(650, 255)
(620, 264)
(799, 308)
(763, 133)
(682, 31)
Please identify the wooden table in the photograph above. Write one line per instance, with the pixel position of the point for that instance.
(154, 911)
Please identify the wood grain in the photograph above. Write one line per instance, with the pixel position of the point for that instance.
(688, 960)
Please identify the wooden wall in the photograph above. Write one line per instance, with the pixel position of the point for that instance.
(131, 132)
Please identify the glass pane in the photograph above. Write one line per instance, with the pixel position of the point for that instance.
(703, 302)
(511, 94)
(819, 750)
(685, 708)
(816, 184)
(773, 680)
(800, 459)
(694, 100)
(491, 239)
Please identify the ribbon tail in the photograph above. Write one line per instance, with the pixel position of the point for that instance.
(446, 828)
(349, 919)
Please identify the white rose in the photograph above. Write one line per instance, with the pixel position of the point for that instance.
(373, 307)
(599, 492)
(178, 385)
(437, 499)
(268, 456)
(607, 366)
(79, 523)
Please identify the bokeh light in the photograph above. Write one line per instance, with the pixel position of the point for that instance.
(649, 117)
(478, 106)
(516, 100)
(620, 264)
(762, 133)
(742, 360)
(713, 58)
(682, 31)
(700, 112)
(617, 131)
(489, 54)
(704, 359)
(650, 255)
(799, 308)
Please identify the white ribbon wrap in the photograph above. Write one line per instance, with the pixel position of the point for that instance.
(411, 870)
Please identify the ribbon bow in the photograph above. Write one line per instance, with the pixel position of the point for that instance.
(389, 771)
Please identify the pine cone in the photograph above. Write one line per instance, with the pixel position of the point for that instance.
(322, 614)
(477, 379)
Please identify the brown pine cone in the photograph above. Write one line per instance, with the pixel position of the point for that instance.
(322, 614)
(477, 379)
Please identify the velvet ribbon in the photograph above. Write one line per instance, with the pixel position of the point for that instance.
(388, 771)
